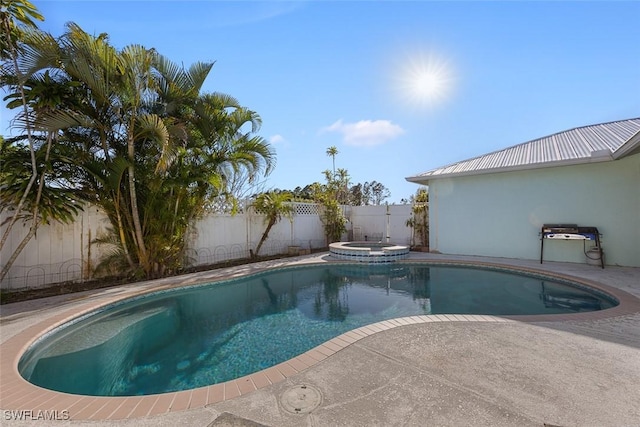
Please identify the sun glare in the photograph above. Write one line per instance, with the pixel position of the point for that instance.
(428, 84)
(426, 80)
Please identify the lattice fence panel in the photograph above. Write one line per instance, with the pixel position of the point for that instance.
(306, 209)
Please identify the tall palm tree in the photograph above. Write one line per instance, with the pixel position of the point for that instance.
(333, 152)
(147, 146)
(36, 94)
(116, 86)
(16, 18)
(47, 201)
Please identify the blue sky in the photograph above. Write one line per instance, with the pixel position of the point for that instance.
(398, 87)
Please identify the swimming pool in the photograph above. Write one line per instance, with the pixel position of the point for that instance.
(202, 335)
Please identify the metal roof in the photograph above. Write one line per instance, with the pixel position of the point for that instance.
(594, 143)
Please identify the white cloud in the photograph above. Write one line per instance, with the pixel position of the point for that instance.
(275, 139)
(366, 133)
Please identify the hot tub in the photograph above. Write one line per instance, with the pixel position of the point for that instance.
(369, 252)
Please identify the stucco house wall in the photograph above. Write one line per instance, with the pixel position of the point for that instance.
(500, 214)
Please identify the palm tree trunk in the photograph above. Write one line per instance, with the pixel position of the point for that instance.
(34, 170)
(135, 214)
(264, 237)
(123, 240)
(36, 206)
(34, 215)
(16, 252)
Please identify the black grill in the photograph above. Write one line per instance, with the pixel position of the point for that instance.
(570, 232)
(560, 228)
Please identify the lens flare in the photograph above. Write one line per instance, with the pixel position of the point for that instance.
(425, 80)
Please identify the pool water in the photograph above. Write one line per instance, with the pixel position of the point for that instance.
(198, 336)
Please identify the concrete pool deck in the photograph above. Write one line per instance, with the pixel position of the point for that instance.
(579, 369)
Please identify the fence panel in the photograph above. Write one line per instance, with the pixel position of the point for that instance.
(377, 223)
(57, 253)
(62, 253)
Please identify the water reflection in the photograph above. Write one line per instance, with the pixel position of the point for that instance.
(332, 297)
(195, 337)
(568, 299)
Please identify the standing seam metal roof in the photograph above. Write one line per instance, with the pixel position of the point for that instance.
(572, 146)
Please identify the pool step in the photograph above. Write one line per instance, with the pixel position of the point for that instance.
(99, 332)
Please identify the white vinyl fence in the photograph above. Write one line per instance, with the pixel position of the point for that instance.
(62, 253)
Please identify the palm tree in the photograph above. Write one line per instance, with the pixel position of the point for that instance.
(16, 18)
(273, 206)
(114, 118)
(48, 202)
(146, 145)
(333, 152)
(37, 94)
(419, 220)
(342, 182)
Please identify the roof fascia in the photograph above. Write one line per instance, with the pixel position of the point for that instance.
(601, 157)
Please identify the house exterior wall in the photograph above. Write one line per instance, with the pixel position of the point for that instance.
(500, 214)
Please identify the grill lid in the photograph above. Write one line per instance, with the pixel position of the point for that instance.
(560, 228)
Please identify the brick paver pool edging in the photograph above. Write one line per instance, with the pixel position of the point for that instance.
(28, 400)
(21, 397)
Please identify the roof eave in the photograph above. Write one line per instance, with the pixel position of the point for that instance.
(424, 179)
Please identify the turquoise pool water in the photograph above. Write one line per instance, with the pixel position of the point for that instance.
(198, 336)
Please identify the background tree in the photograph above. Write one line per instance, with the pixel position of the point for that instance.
(369, 193)
(356, 196)
(377, 192)
(304, 194)
(338, 183)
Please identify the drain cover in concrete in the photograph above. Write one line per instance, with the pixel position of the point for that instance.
(301, 399)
